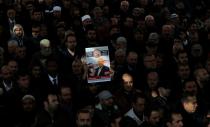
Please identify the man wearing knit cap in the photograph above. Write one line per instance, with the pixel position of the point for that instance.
(105, 111)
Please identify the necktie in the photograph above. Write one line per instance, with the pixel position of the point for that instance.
(54, 82)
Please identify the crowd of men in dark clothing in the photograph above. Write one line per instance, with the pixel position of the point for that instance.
(159, 54)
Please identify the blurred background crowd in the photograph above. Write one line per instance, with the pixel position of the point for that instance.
(160, 63)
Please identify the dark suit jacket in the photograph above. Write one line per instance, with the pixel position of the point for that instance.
(103, 71)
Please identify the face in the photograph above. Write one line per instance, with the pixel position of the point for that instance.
(52, 67)
(127, 82)
(52, 103)
(13, 66)
(190, 105)
(84, 119)
(99, 3)
(176, 120)
(184, 71)
(11, 13)
(124, 5)
(150, 62)
(132, 59)
(120, 57)
(129, 22)
(152, 80)
(21, 52)
(77, 67)
(91, 35)
(37, 16)
(191, 87)
(154, 118)
(100, 62)
(108, 102)
(96, 53)
(36, 71)
(139, 105)
(23, 81)
(28, 105)
(66, 94)
(18, 31)
(167, 31)
(177, 46)
(203, 75)
(35, 32)
(46, 50)
(71, 42)
(183, 58)
(6, 73)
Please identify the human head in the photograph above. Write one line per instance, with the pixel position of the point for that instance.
(138, 103)
(127, 81)
(86, 20)
(28, 103)
(152, 80)
(12, 46)
(106, 98)
(71, 41)
(51, 102)
(149, 20)
(120, 56)
(96, 53)
(101, 61)
(66, 94)
(5, 73)
(121, 43)
(154, 117)
(13, 66)
(57, 11)
(132, 59)
(45, 47)
(124, 5)
(150, 61)
(190, 86)
(182, 57)
(35, 31)
(18, 30)
(77, 67)
(183, 71)
(83, 118)
(23, 79)
(174, 119)
(189, 102)
(201, 75)
(52, 66)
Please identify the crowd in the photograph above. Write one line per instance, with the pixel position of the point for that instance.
(159, 53)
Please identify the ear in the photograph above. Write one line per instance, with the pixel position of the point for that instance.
(45, 104)
(168, 124)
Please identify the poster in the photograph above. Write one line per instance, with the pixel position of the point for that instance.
(98, 64)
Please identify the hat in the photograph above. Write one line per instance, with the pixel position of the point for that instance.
(105, 94)
(56, 8)
(28, 97)
(45, 42)
(174, 15)
(121, 39)
(83, 18)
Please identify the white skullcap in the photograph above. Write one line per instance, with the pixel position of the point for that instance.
(45, 42)
(85, 17)
(28, 97)
(121, 39)
(56, 8)
(174, 15)
(105, 94)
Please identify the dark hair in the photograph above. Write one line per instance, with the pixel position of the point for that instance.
(136, 95)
